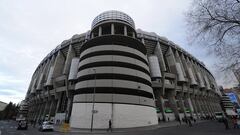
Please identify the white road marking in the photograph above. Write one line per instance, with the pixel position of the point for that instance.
(0, 132)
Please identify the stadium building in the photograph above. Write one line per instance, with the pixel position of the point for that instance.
(117, 72)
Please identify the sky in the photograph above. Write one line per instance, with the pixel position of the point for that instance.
(30, 29)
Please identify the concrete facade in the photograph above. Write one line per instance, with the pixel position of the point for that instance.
(119, 73)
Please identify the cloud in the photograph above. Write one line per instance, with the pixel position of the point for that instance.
(29, 30)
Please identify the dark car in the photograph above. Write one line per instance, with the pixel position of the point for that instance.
(22, 124)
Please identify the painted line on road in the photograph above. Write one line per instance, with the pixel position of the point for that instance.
(0, 132)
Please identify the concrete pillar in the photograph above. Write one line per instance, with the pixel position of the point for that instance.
(206, 111)
(206, 104)
(162, 107)
(190, 105)
(212, 107)
(34, 110)
(112, 29)
(58, 103)
(69, 108)
(192, 98)
(35, 114)
(50, 108)
(41, 116)
(40, 111)
(202, 105)
(45, 111)
(209, 106)
(198, 105)
(125, 30)
(53, 109)
(172, 101)
(159, 54)
(133, 33)
(143, 41)
(70, 55)
(160, 103)
(92, 35)
(181, 103)
(99, 31)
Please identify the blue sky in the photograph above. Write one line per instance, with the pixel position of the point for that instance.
(29, 30)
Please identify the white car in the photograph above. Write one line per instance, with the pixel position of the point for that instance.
(46, 125)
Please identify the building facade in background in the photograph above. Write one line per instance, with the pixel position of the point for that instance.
(119, 73)
(2, 105)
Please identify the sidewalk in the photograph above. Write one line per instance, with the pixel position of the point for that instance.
(100, 131)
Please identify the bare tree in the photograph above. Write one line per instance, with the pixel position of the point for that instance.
(216, 24)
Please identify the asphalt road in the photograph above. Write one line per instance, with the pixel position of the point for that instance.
(204, 128)
(10, 128)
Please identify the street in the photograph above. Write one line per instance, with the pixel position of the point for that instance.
(203, 128)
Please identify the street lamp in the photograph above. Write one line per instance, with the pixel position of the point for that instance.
(93, 99)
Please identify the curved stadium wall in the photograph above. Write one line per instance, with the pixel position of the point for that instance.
(114, 72)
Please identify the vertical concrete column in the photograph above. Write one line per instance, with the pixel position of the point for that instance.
(112, 29)
(36, 111)
(211, 107)
(162, 107)
(159, 54)
(181, 103)
(172, 101)
(69, 108)
(206, 104)
(203, 99)
(219, 107)
(43, 110)
(133, 33)
(92, 35)
(50, 108)
(192, 98)
(190, 105)
(203, 111)
(53, 109)
(40, 111)
(198, 105)
(160, 100)
(125, 30)
(58, 103)
(99, 31)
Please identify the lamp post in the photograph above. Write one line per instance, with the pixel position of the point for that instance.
(93, 99)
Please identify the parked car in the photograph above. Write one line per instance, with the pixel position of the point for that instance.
(22, 124)
(46, 125)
